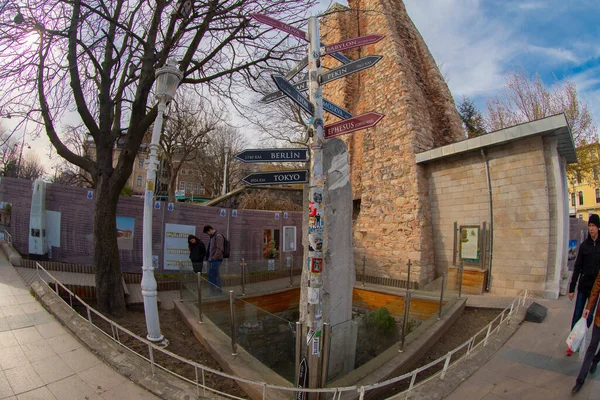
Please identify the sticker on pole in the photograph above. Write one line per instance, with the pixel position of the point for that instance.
(313, 295)
(315, 346)
(311, 334)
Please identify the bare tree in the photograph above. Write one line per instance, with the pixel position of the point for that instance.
(99, 58)
(10, 150)
(185, 135)
(526, 98)
(31, 167)
(222, 144)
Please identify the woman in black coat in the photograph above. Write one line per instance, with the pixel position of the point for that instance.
(197, 252)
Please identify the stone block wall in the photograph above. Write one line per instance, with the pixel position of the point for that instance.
(393, 224)
(523, 217)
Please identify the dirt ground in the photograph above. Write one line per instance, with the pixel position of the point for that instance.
(469, 323)
(181, 342)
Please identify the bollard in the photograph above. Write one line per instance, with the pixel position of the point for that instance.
(243, 277)
(298, 348)
(180, 281)
(405, 322)
(200, 297)
(291, 270)
(408, 275)
(364, 269)
(232, 315)
(325, 352)
(442, 295)
(460, 279)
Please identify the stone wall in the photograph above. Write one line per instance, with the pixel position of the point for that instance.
(394, 219)
(524, 209)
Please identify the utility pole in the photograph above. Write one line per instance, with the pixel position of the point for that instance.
(316, 201)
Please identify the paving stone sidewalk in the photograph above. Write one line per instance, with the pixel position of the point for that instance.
(532, 364)
(40, 359)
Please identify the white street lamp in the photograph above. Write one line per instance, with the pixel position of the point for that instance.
(224, 188)
(167, 81)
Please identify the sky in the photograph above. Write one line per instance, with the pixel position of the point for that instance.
(476, 42)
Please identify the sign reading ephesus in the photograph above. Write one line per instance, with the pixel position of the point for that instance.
(359, 122)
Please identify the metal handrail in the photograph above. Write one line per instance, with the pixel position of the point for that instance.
(7, 237)
(361, 391)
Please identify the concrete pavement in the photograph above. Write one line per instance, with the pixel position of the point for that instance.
(40, 359)
(532, 364)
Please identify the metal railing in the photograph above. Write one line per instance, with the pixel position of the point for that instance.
(200, 370)
(7, 237)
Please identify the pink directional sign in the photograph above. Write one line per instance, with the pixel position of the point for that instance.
(279, 25)
(352, 43)
(357, 123)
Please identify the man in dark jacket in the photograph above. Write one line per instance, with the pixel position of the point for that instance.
(216, 248)
(585, 272)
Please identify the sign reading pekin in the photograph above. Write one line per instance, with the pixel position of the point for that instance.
(347, 69)
(352, 43)
(357, 123)
(277, 178)
(273, 155)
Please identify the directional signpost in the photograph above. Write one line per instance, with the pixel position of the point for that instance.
(289, 90)
(354, 66)
(273, 155)
(314, 106)
(359, 122)
(277, 178)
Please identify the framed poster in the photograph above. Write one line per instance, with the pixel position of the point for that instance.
(469, 244)
(176, 245)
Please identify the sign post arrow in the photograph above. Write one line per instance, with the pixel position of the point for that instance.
(335, 110)
(289, 90)
(352, 43)
(277, 177)
(354, 66)
(359, 122)
(271, 97)
(273, 155)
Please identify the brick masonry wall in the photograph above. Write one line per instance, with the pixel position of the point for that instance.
(245, 231)
(521, 196)
(406, 86)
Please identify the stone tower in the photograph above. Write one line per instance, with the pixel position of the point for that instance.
(392, 220)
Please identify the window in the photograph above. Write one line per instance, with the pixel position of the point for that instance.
(183, 172)
(572, 199)
(578, 178)
(188, 187)
(141, 163)
(597, 195)
(201, 190)
(271, 243)
(355, 209)
(596, 174)
(195, 188)
(580, 197)
(181, 185)
(139, 181)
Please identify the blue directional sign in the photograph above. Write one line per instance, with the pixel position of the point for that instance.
(271, 97)
(354, 66)
(289, 90)
(273, 155)
(277, 178)
(335, 110)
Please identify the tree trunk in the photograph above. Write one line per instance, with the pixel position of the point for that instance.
(172, 188)
(109, 289)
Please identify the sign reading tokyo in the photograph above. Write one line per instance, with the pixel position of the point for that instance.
(277, 178)
(273, 155)
(359, 122)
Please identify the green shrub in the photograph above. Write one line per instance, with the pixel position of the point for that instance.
(381, 321)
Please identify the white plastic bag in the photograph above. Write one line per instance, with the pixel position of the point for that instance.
(577, 335)
(585, 343)
(205, 267)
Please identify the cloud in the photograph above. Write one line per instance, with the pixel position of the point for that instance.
(556, 55)
(533, 5)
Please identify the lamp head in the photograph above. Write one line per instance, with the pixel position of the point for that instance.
(167, 81)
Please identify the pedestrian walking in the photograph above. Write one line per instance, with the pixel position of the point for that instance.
(216, 249)
(585, 272)
(197, 252)
(590, 362)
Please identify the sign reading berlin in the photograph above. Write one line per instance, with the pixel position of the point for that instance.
(357, 123)
(273, 155)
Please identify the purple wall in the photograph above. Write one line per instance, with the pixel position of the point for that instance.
(245, 231)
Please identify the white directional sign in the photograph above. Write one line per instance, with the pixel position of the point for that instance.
(293, 94)
(354, 66)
